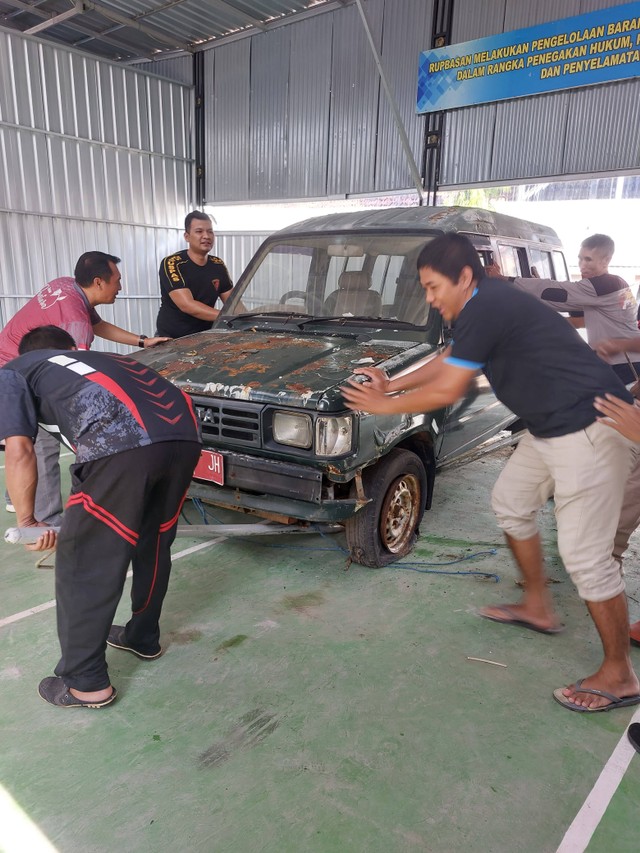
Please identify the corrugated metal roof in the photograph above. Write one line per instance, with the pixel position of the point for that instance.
(130, 30)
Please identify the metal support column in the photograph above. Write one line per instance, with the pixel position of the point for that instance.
(434, 124)
(198, 130)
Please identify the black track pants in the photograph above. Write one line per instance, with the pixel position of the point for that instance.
(123, 509)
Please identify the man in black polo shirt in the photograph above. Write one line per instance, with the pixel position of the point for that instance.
(136, 442)
(542, 370)
(191, 281)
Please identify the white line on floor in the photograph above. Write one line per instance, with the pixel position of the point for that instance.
(17, 830)
(61, 455)
(585, 823)
(8, 620)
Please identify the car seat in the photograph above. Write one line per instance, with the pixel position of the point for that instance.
(410, 303)
(354, 296)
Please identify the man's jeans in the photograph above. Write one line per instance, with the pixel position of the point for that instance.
(48, 504)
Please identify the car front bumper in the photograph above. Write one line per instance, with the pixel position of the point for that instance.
(273, 488)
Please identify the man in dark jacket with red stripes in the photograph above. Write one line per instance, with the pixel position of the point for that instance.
(136, 441)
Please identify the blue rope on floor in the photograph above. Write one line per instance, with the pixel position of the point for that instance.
(202, 511)
(417, 566)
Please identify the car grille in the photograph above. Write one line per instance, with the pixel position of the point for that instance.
(229, 421)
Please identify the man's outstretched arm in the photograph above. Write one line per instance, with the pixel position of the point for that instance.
(448, 386)
(120, 336)
(21, 471)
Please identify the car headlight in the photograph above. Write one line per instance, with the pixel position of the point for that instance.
(295, 430)
(333, 435)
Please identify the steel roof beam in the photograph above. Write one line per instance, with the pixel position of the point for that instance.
(121, 21)
(28, 7)
(152, 32)
(100, 36)
(248, 19)
(77, 9)
(88, 33)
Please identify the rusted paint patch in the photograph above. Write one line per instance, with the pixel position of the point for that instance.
(176, 367)
(438, 215)
(244, 366)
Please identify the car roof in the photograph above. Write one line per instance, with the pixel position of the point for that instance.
(469, 220)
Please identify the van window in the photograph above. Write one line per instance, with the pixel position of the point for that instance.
(339, 265)
(560, 272)
(385, 274)
(541, 263)
(486, 257)
(282, 270)
(508, 260)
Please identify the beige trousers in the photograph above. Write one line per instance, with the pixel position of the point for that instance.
(630, 515)
(586, 472)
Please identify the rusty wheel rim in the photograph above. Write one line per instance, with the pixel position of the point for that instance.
(399, 513)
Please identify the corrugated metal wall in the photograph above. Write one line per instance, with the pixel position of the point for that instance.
(177, 68)
(355, 89)
(236, 249)
(309, 98)
(96, 155)
(92, 156)
(299, 112)
(227, 84)
(406, 32)
(580, 131)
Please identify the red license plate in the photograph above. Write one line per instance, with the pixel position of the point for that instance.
(210, 467)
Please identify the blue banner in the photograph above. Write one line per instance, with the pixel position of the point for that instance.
(597, 47)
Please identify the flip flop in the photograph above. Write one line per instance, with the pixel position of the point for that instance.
(633, 733)
(512, 619)
(54, 691)
(615, 701)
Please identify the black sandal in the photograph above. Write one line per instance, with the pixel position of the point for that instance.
(54, 691)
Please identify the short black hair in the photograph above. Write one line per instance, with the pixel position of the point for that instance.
(195, 214)
(448, 254)
(602, 242)
(93, 265)
(45, 337)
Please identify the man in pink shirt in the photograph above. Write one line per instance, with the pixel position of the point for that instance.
(69, 304)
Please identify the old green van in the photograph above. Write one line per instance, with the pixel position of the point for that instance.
(319, 299)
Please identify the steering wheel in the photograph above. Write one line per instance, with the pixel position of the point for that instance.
(293, 294)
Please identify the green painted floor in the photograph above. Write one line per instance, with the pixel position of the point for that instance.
(303, 707)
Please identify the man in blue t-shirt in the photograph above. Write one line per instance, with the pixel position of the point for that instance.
(136, 442)
(542, 370)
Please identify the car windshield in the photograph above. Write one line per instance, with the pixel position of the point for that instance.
(334, 276)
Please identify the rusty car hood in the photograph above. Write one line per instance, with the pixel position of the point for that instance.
(270, 367)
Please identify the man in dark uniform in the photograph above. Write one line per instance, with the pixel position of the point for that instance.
(540, 368)
(191, 282)
(137, 442)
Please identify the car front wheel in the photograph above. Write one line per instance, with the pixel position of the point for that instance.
(387, 527)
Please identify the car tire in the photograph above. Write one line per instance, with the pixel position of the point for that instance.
(386, 529)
